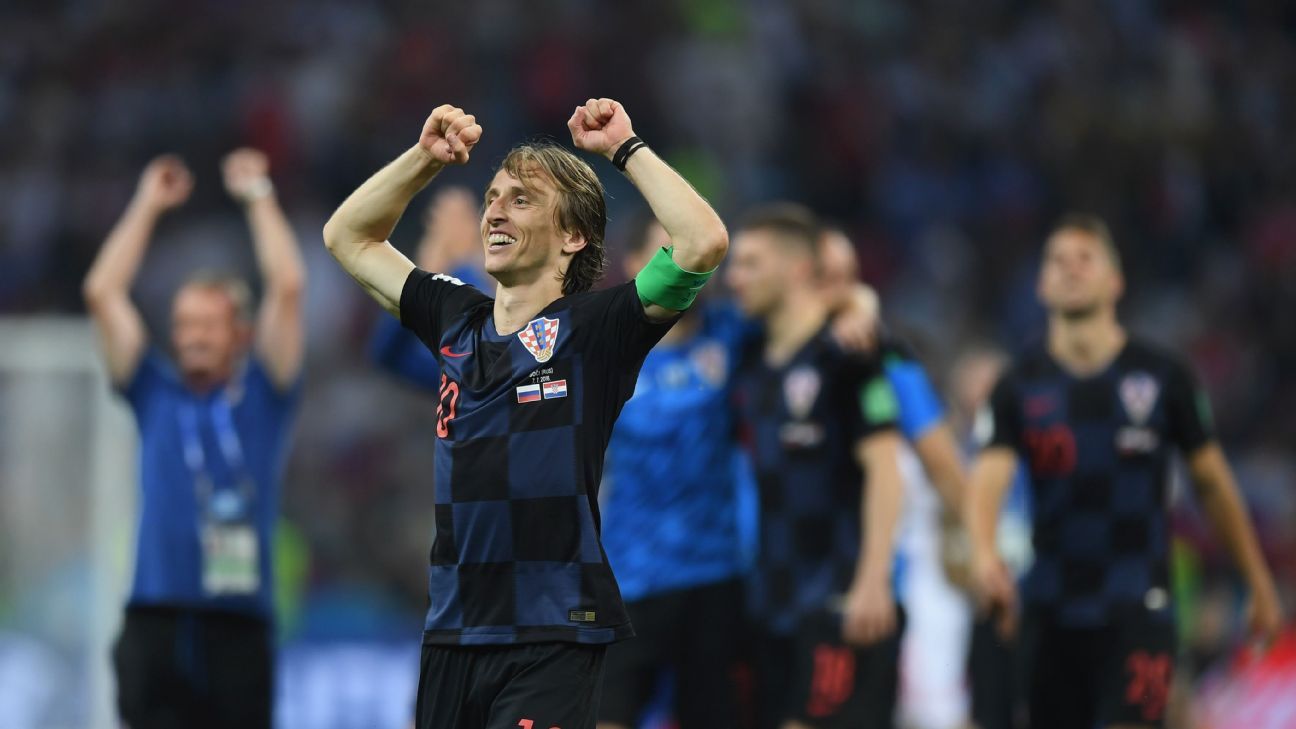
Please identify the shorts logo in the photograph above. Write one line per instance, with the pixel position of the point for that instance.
(528, 393)
(540, 337)
(581, 616)
(800, 389)
(1138, 393)
(555, 389)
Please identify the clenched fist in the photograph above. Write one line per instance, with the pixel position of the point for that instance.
(165, 183)
(449, 134)
(247, 174)
(600, 126)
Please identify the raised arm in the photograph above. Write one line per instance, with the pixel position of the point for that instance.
(992, 475)
(280, 335)
(699, 237)
(357, 233)
(164, 184)
(1218, 492)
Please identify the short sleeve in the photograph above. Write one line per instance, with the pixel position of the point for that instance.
(430, 302)
(626, 325)
(258, 378)
(870, 399)
(1188, 410)
(150, 379)
(999, 422)
(920, 407)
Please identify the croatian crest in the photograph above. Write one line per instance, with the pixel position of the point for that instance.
(540, 336)
(1138, 393)
(800, 389)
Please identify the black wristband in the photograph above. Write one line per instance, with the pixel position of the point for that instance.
(627, 148)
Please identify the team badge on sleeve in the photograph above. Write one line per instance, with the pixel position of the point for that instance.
(540, 336)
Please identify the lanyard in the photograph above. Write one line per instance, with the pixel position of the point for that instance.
(222, 419)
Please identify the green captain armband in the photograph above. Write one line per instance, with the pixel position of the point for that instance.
(664, 283)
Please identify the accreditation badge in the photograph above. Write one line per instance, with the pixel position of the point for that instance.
(230, 564)
(230, 549)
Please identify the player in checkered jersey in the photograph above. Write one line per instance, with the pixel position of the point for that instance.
(1095, 415)
(817, 421)
(522, 601)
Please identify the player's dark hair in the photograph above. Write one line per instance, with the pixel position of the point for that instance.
(1093, 225)
(581, 208)
(794, 223)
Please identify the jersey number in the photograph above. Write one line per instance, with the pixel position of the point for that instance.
(1149, 685)
(833, 680)
(1052, 451)
(447, 407)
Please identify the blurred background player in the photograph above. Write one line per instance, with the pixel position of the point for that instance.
(672, 521)
(522, 601)
(196, 648)
(449, 244)
(815, 420)
(932, 694)
(993, 669)
(1095, 416)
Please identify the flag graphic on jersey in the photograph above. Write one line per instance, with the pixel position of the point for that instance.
(557, 388)
(528, 393)
(540, 337)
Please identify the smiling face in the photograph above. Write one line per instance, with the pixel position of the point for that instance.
(544, 218)
(520, 229)
(207, 334)
(1080, 276)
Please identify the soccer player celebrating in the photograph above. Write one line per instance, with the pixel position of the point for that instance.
(522, 601)
(1094, 415)
(816, 419)
(196, 648)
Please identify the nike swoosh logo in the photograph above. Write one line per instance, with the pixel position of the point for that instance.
(446, 351)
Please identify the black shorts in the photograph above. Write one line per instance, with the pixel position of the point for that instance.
(694, 633)
(531, 686)
(194, 669)
(994, 678)
(1082, 677)
(816, 678)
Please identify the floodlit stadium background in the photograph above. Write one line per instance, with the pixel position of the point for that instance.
(945, 136)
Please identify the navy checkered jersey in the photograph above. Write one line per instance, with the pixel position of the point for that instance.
(522, 425)
(802, 422)
(1098, 453)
